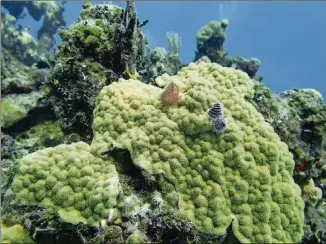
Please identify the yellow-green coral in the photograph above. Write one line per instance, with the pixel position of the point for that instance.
(15, 234)
(242, 175)
(135, 238)
(68, 179)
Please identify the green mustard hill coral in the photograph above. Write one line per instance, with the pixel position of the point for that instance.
(44, 134)
(15, 234)
(240, 177)
(70, 180)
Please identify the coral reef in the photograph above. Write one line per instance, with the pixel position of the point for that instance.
(299, 118)
(15, 107)
(176, 165)
(24, 102)
(108, 141)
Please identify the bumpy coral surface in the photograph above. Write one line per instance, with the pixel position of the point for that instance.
(240, 176)
(15, 234)
(68, 179)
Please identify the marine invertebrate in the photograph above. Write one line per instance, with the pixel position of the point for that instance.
(219, 124)
(215, 111)
(69, 180)
(242, 176)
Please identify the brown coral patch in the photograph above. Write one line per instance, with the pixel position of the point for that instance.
(171, 94)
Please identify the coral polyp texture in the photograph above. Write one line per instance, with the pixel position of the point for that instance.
(70, 180)
(241, 176)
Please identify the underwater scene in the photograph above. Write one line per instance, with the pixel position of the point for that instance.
(163, 122)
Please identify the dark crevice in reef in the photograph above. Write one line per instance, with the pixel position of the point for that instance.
(134, 177)
(227, 238)
(54, 231)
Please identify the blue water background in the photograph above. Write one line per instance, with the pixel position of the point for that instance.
(289, 38)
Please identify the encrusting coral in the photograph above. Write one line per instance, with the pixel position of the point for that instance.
(242, 175)
(15, 234)
(70, 180)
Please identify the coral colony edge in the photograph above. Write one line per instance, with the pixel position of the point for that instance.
(109, 141)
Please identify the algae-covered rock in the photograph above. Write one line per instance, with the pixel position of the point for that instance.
(44, 134)
(110, 234)
(19, 78)
(16, 107)
(21, 44)
(310, 193)
(298, 116)
(135, 239)
(162, 62)
(210, 39)
(242, 175)
(315, 228)
(95, 51)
